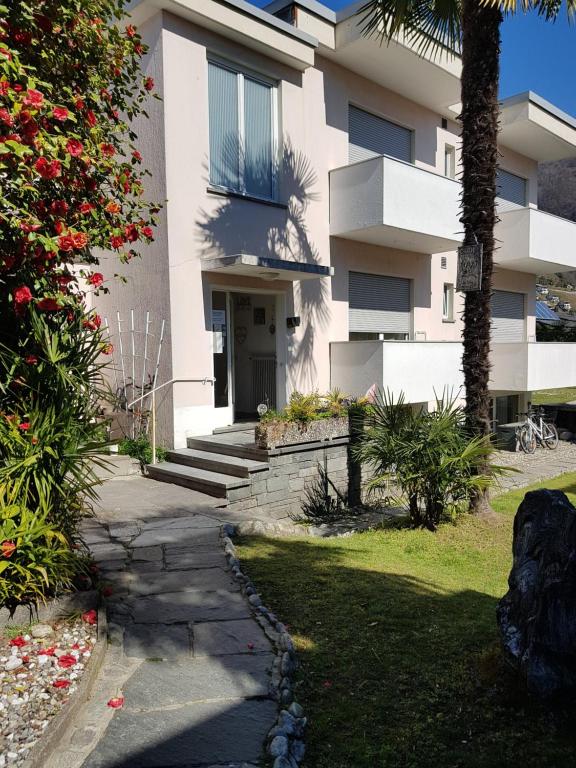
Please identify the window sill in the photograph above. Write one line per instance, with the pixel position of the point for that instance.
(249, 198)
(448, 320)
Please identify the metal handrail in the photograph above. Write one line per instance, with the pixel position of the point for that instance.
(140, 398)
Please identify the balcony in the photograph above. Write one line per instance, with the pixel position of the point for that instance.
(388, 202)
(534, 241)
(527, 367)
(420, 369)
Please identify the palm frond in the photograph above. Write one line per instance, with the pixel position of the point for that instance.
(548, 9)
(433, 28)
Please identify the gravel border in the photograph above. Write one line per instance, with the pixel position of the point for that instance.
(64, 721)
(285, 741)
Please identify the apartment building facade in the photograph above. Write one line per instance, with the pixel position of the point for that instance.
(309, 235)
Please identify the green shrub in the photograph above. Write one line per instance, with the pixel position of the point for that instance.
(50, 424)
(141, 449)
(323, 502)
(36, 561)
(428, 456)
(303, 408)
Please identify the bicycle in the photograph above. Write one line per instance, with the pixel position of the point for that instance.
(536, 430)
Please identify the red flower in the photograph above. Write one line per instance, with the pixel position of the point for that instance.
(22, 295)
(148, 232)
(24, 426)
(7, 548)
(107, 349)
(66, 243)
(116, 702)
(112, 207)
(47, 651)
(67, 660)
(85, 207)
(130, 30)
(31, 360)
(91, 118)
(79, 103)
(23, 36)
(17, 642)
(137, 156)
(48, 305)
(74, 147)
(107, 150)
(60, 113)
(90, 617)
(94, 323)
(47, 169)
(26, 226)
(6, 117)
(131, 232)
(149, 83)
(96, 279)
(61, 683)
(80, 239)
(117, 241)
(59, 207)
(33, 98)
(4, 87)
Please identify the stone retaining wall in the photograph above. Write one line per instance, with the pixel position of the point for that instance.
(282, 489)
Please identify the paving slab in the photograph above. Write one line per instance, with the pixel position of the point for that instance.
(197, 521)
(157, 641)
(219, 638)
(167, 683)
(204, 579)
(214, 732)
(176, 607)
(189, 559)
(189, 537)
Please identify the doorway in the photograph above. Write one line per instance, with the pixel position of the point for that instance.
(245, 358)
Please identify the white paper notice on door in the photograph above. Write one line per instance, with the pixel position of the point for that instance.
(218, 342)
(218, 318)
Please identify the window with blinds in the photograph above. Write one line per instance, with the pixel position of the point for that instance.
(378, 304)
(242, 126)
(372, 136)
(508, 321)
(511, 189)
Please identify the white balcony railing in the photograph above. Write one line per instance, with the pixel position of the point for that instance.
(419, 369)
(423, 369)
(530, 240)
(388, 202)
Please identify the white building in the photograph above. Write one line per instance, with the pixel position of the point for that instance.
(311, 220)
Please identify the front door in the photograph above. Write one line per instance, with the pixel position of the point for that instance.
(222, 358)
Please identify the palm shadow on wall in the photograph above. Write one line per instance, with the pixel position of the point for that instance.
(272, 230)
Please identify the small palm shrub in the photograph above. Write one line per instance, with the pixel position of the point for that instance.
(36, 561)
(427, 456)
(323, 502)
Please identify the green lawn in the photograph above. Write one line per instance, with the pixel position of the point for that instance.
(400, 657)
(545, 396)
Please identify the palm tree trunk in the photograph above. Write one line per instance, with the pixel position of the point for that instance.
(479, 117)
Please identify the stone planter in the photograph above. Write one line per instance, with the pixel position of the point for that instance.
(273, 434)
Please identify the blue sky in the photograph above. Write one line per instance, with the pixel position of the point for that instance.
(536, 56)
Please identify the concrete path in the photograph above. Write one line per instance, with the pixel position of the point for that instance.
(186, 654)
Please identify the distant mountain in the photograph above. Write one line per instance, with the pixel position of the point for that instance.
(557, 194)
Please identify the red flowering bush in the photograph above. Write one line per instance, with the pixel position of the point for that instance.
(71, 184)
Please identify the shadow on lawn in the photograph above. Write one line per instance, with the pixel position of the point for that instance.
(397, 672)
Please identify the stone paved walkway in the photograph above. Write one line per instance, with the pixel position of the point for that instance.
(539, 466)
(188, 657)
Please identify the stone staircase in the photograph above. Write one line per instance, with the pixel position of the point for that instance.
(214, 464)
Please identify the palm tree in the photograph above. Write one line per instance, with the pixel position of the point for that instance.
(472, 26)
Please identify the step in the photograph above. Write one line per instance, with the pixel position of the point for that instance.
(243, 448)
(217, 462)
(212, 483)
(240, 427)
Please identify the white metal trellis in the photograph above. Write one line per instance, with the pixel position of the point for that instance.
(141, 357)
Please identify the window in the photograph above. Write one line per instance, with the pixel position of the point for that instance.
(379, 307)
(449, 161)
(372, 336)
(242, 122)
(372, 136)
(448, 302)
(510, 187)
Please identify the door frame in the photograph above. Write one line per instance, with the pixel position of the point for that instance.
(226, 416)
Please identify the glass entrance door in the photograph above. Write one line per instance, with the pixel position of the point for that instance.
(221, 349)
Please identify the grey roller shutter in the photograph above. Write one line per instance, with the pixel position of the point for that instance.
(372, 136)
(378, 304)
(510, 189)
(507, 316)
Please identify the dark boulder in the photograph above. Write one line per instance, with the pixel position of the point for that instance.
(537, 616)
